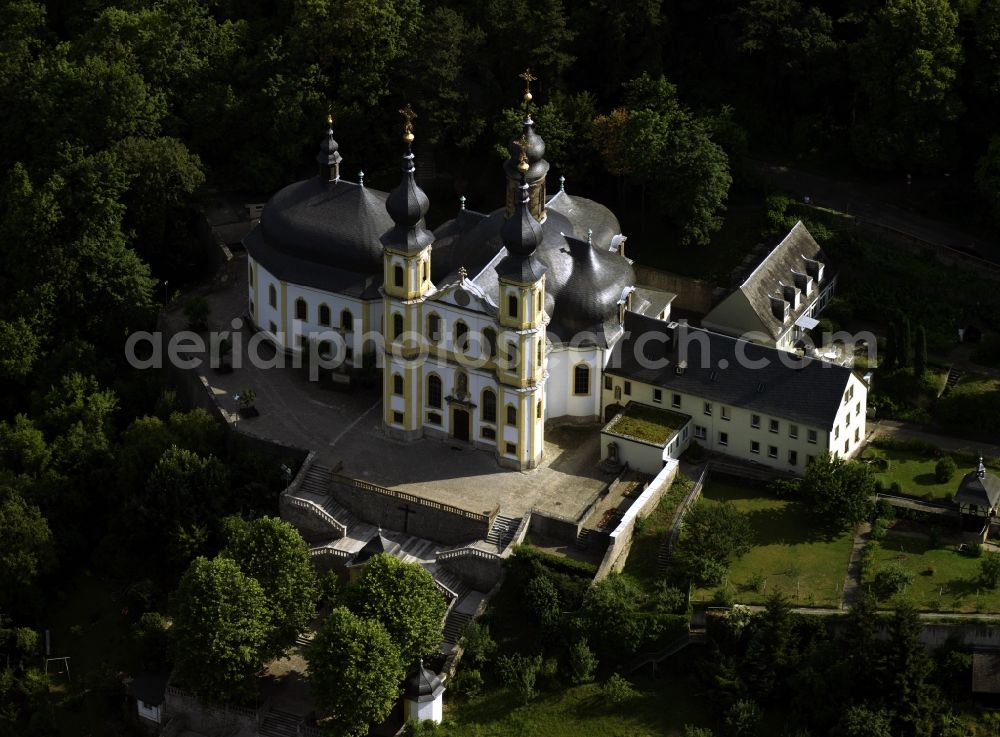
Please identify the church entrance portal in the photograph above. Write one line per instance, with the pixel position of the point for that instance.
(460, 425)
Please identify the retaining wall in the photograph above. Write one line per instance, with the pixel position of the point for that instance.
(620, 539)
(693, 295)
(482, 571)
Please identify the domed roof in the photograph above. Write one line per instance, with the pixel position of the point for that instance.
(423, 685)
(336, 223)
(407, 205)
(586, 215)
(534, 149)
(328, 147)
(586, 285)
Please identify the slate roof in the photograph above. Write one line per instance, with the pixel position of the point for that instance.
(730, 371)
(377, 545)
(651, 302)
(150, 688)
(778, 268)
(983, 492)
(332, 223)
(423, 685)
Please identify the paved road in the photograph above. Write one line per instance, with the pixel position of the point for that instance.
(856, 198)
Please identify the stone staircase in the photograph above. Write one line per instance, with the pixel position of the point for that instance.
(279, 724)
(454, 625)
(503, 531)
(315, 492)
(953, 376)
(663, 556)
(586, 538)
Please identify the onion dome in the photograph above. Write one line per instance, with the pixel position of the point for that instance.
(423, 685)
(407, 204)
(521, 233)
(329, 157)
(589, 297)
(534, 148)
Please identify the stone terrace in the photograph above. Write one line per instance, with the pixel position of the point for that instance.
(343, 427)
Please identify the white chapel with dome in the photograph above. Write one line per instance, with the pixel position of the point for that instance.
(490, 325)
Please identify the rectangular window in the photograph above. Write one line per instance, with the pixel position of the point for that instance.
(793, 457)
(675, 400)
(657, 395)
(793, 432)
(511, 449)
(857, 435)
(699, 432)
(847, 420)
(755, 447)
(723, 438)
(725, 413)
(273, 328)
(708, 408)
(812, 436)
(847, 446)
(773, 426)
(754, 420)
(772, 451)
(836, 432)
(857, 410)
(810, 459)
(489, 433)
(607, 382)
(684, 435)
(433, 418)
(628, 388)
(397, 417)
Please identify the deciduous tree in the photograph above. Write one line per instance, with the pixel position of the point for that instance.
(838, 491)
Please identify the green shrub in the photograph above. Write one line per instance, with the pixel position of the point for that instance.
(989, 568)
(582, 662)
(975, 550)
(890, 580)
(758, 581)
(895, 488)
(467, 682)
(518, 673)
(879, 528)
(944, 469)
(617, 690)
(197, 310)
(478, 644)
(669, 599)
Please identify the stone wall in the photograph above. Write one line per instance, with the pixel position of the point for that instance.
(480, 570)
(620, 542)
(208, 718)
(554, 526)
(403, 512)
(693, 295)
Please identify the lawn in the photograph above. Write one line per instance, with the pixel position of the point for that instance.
(944, 580)
(662, 707)
(789, 554)
(914, 472)
(651, 532)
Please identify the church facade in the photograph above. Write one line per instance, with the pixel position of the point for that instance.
(485, 328)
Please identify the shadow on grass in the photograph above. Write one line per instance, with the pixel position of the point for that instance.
(926, 479)
(790, 525)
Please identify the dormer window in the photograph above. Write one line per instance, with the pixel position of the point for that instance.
(779, 308)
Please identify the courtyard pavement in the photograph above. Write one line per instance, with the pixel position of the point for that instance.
(344, 427)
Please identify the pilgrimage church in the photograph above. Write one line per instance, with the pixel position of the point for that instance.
(491, 324)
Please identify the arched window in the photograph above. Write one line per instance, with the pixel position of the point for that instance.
(538, 410)
(581, 379)
(347, 320)
(461, 336)
(511, 414)
(512, 305)
(324, 315)
(397, 325)
(433, 391)
(397, 275)
(490, 339)
(397, 384)
(433, 327)
(301, 311)
(538, 353)
(489, 406)
(538, 300)
(423, 271)
(272, 296)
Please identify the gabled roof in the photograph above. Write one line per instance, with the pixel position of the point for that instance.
(150, 688)
(981, 490)
(749, 306)
(731, 371)
(377, 545)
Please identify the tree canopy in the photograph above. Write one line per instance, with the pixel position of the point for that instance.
(838, 491)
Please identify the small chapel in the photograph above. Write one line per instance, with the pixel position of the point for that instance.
(489, 325)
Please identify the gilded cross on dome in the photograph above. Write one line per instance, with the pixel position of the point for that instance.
(522, 143)
(462, 273)
(528, 78)
(409, 115)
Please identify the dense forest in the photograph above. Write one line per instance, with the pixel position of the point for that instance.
(119, 117)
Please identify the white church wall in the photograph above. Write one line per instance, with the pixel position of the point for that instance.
(560, 399)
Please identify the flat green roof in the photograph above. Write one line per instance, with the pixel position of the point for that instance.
(648, 424)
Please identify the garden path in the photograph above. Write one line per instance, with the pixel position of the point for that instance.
(853, 579)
